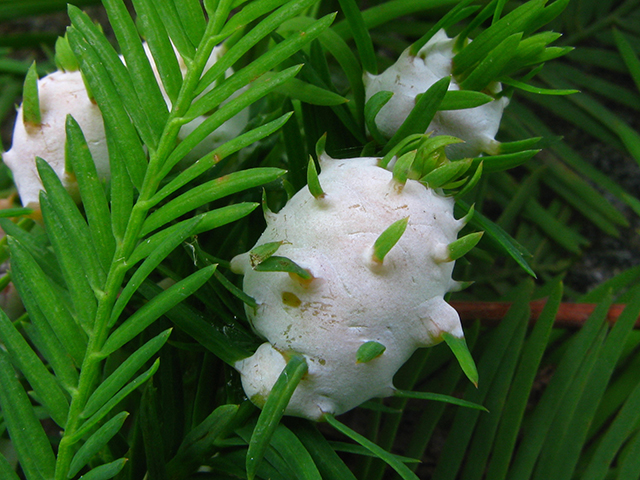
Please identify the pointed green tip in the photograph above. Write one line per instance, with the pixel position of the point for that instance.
(260, 253)
(387, 239)
(369, 350)
(64, 57)
(463, 245)
(320, 146)
(403, 166)
(313, 181)
(30, 98)
(460, 350)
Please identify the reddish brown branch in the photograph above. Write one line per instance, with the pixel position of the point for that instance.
(570, 315)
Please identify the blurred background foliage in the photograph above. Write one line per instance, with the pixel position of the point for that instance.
(564, 402)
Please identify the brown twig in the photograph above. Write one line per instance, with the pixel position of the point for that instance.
(570, 315)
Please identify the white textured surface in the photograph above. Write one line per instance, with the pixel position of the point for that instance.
(411, 76)
(61, 94)
(399, 304)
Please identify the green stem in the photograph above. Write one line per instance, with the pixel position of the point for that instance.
(91, 365)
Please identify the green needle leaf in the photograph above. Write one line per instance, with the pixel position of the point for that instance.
(64, 58)
(371, 110)
(273, 411)
(46, 386)
(151, 311)
(208, 192)
(27, 435)
(313, 181)
(402, 167)
(463, 245)
(360, 35)
(282, 264)
(96, 442)
(107, 471)
(114, 382)
(30, 98)
(260, 253)
(438, 397)
(459, 348)
(387, 239)
(368, 351)
(387, 457)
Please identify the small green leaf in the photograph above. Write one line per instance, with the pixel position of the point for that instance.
(64, 58)
(273, 410)
(437, 397)
(311, 94)
(463, 99)
(169, 244)
(208, 161)
(74, 224)
(81, 293)
(387, 457)
(208, 221)
(94, 420)
(472, 182)
(502, 238)
(142, 77)
(208, 192)
(371, 110)
(260, 253)
(151, 311)
(105, 472)
(114, 382)
(403, 166)
(540, 91)
(456, 14)
(96, 442)
(313, 181)
(361, 35)
(199, 443)
(321, 145)
(160, 47)
(462, 246)
(446, 173)
(27, 435)
(46, 386)
(30, 98)
(512, 23)
(458, 346)
(388, 239)
(282, 264)
(29, 274)
(92, 191)
(368, 351)
(489, 69)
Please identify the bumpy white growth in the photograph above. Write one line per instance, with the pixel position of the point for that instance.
(352, 299)
(63, 93)
(60, 94)
(411, 76)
